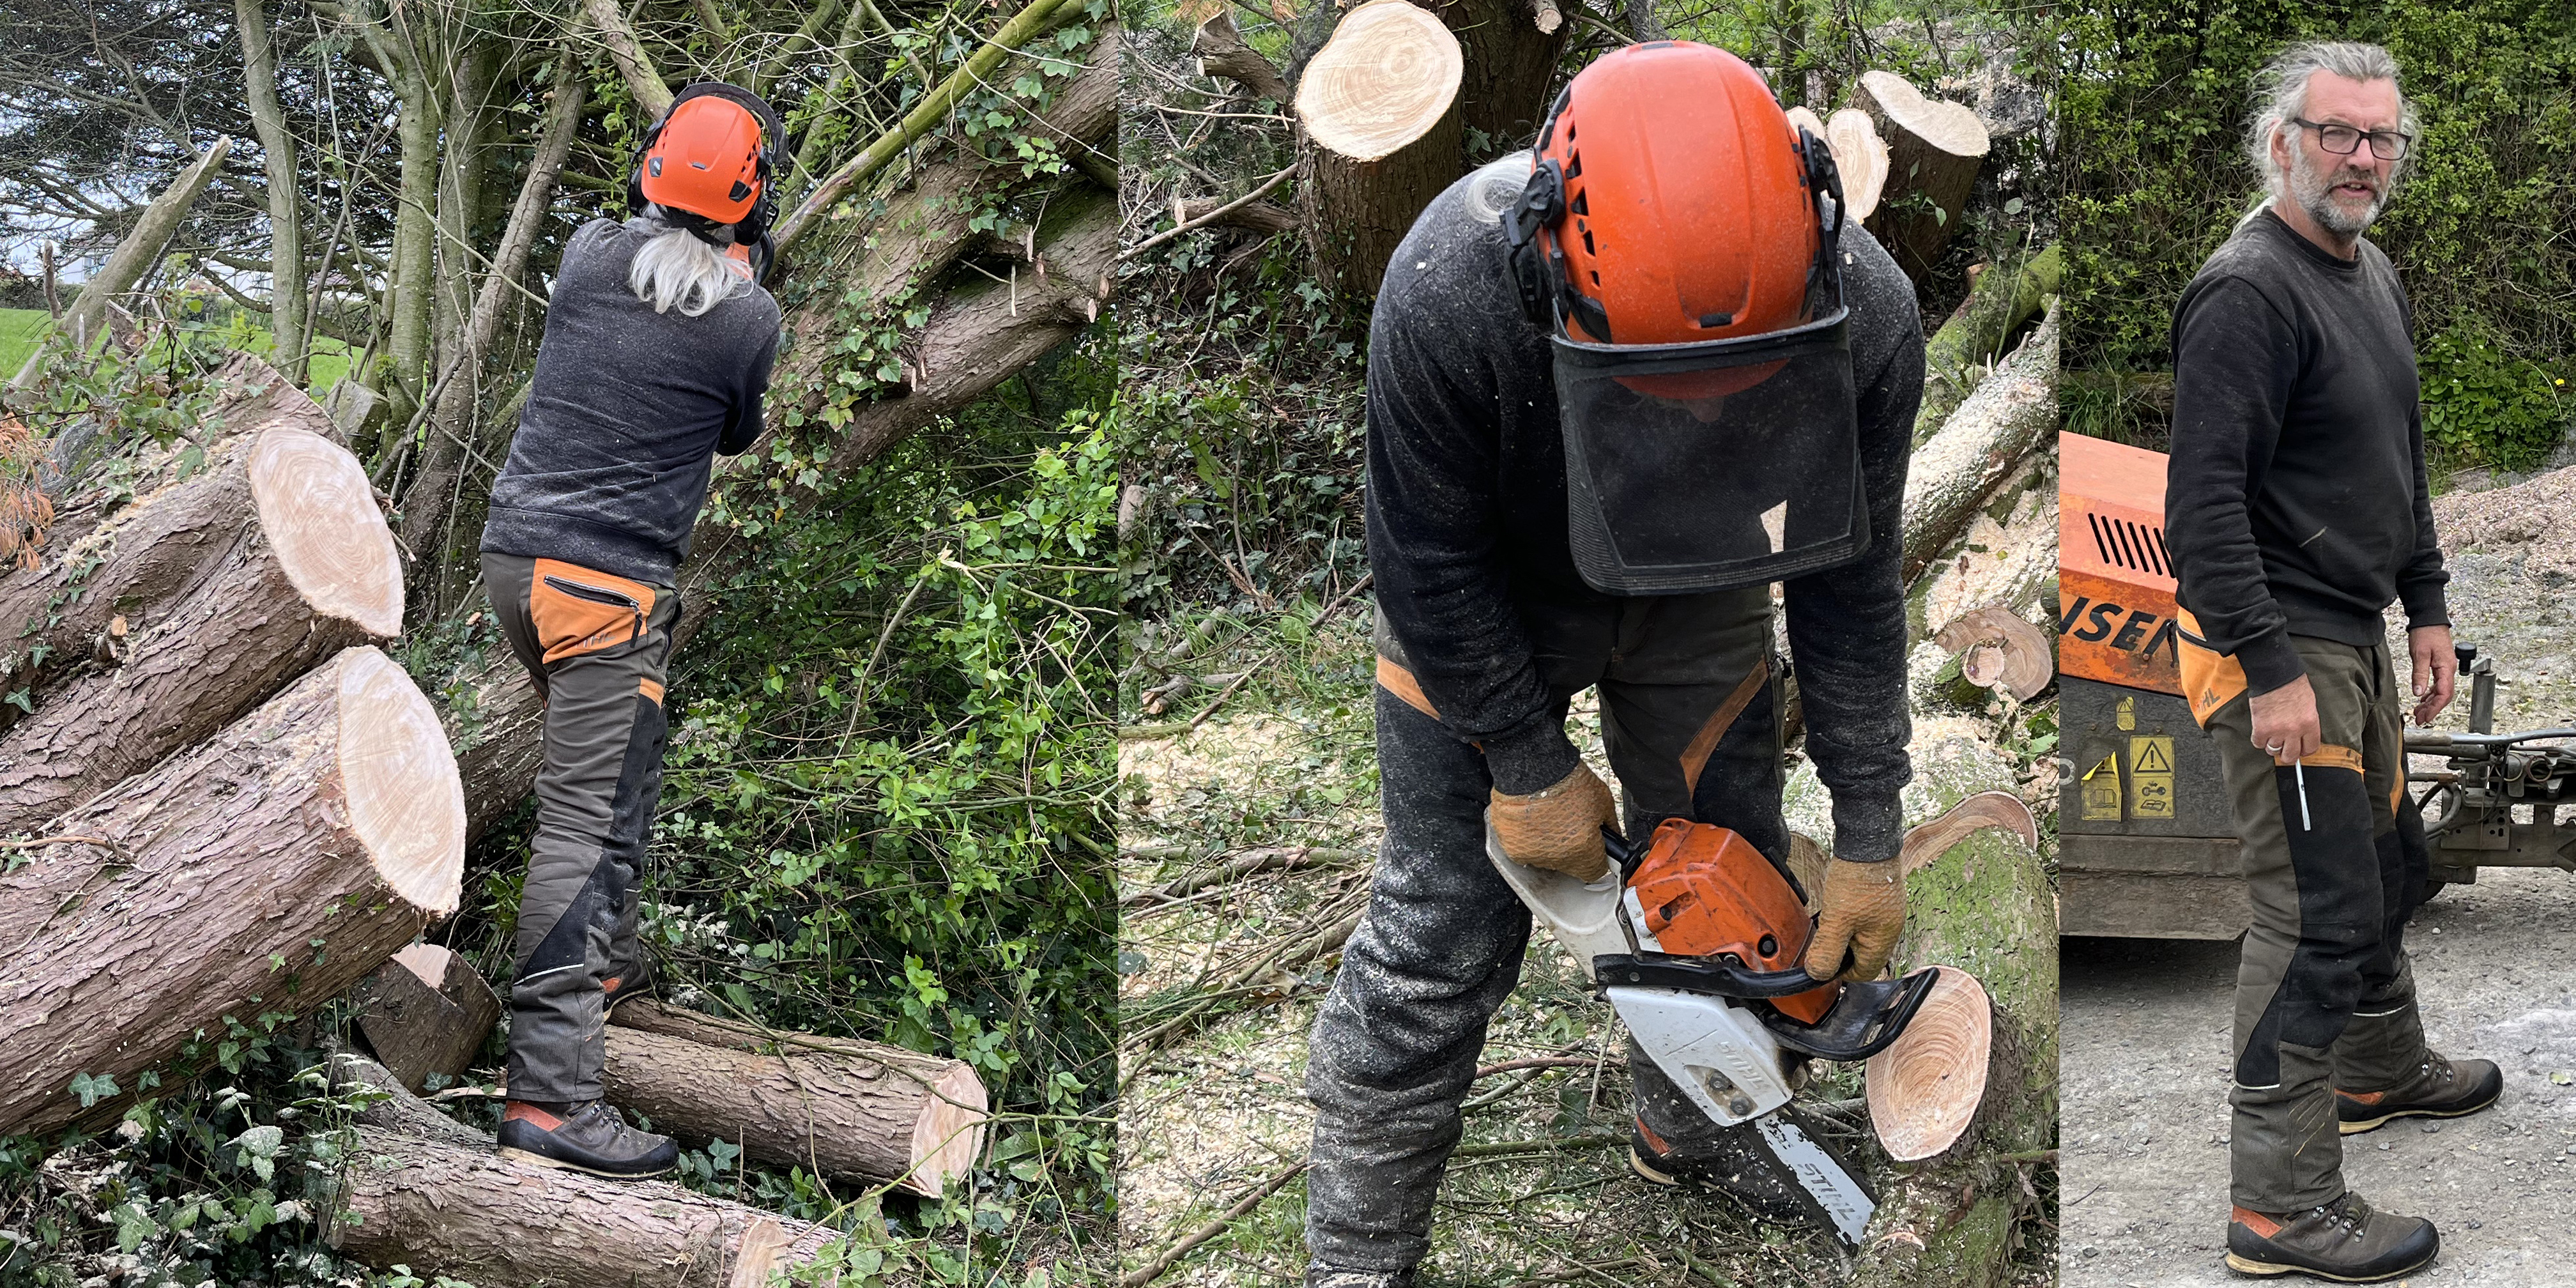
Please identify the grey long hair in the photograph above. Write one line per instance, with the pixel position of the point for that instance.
(677, 270)
(2281, 92)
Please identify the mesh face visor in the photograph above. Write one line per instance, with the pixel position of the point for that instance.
(1700, 467)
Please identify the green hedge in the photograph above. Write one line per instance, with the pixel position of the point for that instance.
(2154, 105)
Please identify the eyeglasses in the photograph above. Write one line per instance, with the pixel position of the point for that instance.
(2344, 140)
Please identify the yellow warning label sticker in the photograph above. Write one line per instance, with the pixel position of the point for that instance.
(2151, 777)
(2101, 791)
(2126, 714)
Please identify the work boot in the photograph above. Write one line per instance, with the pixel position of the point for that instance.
(2344, 1241)
(1328, 1277)
(585, 1137)
(2439, 1089)
(1719, 1160)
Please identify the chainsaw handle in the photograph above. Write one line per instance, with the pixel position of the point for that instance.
(1865, 1019)
(1621, 853)
(1703, 975)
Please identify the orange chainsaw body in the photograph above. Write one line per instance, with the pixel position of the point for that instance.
(1707, 892)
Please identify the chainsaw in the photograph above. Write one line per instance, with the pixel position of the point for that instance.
(1696, 938)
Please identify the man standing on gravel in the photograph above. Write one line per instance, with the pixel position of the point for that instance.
(1615, 389)
(2296, 511)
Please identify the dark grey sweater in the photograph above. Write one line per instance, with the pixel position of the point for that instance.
(2295, 500)
(626, 414)
(1467, 516)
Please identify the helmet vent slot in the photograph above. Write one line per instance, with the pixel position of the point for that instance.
(1582, 203)
(1713, 320)
(1587, 243)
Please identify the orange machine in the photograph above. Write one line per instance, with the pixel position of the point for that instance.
(2147, 845)
(2115, 586)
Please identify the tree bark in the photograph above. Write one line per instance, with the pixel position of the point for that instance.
(411, 278)
(1380, 105)
(133, 259)
(835, 1106)
(1510, 48)
(1984, 907)
(448, 1207)
(1222, 51)
(1954, 359)
(976, 71)
(643, 80)
(426, 1011)
(430, 497)
(921, 230)
(138, 561)
(263, 872)
(2011, 412)
(1933, 152)
(285, 211)
(311, 570)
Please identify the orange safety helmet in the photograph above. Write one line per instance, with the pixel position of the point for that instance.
(1671, 202)
(710, 160)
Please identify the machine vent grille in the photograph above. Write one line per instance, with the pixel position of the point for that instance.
(2134, 546)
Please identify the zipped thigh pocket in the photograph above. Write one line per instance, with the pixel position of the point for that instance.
(579, 610)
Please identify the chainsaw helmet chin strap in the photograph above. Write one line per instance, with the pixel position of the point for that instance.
(709, 164)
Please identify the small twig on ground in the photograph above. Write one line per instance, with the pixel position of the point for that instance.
(1210, 217)
(1148, 733)
(1163, 1261)
(1266, 859)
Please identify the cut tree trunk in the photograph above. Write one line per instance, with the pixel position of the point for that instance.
(426, 1011)
(142, 558)
(835, 1106)
(1933, 152)
(2012, 412)
(1984, 907)
(263, 872)
(1380, 107)
(133, 258)
(311, 570)
(1957, 355)
(1861, 157)
(425, 1191)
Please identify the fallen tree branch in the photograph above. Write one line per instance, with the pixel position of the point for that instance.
(1210, 217)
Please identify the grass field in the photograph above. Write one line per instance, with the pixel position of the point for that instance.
(21, 328)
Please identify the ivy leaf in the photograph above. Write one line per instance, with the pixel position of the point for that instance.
(93, 1088)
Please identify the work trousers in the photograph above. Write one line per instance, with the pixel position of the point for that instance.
(1689, 713)
(2324, 996)
(597, 648)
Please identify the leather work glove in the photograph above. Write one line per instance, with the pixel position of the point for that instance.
(1558, 828)
(1862, 909)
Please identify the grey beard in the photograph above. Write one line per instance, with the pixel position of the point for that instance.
(2309, 188)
